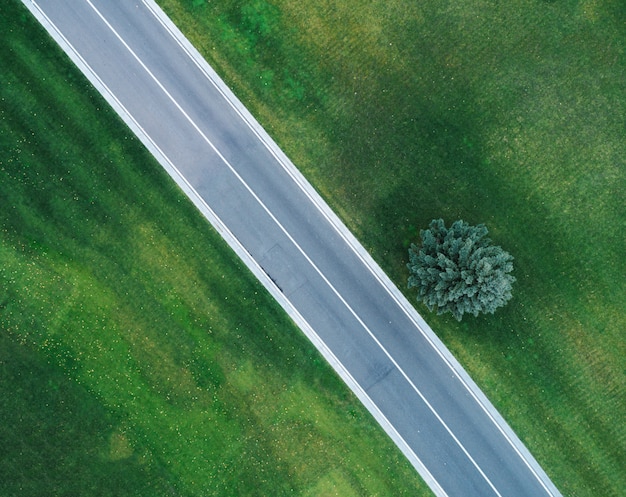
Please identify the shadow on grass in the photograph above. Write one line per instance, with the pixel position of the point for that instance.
(58, 439)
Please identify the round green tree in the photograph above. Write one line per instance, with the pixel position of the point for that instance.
(458, 270)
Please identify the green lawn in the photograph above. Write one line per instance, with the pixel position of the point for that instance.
(505, 113)
(137, 355)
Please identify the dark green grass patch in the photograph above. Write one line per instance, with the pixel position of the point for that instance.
(137, 355)
(504, 113)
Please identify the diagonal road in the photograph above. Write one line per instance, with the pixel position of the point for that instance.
(279, 226)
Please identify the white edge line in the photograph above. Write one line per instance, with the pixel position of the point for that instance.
(360, 251)
(235, 245)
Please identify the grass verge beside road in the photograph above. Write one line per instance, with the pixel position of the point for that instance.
(511, 114)
(137, 355)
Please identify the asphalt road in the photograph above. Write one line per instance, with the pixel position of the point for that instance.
(297, 247)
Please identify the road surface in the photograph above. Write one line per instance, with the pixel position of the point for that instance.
(295, 245)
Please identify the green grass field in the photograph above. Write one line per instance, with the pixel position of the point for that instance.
(137, 355)
(505, 113)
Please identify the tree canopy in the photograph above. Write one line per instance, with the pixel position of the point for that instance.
(458, 270)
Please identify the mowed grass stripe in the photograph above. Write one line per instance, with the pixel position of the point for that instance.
(137, 355)
(508, 114)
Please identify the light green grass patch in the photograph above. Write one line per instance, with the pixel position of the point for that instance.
(332, 485)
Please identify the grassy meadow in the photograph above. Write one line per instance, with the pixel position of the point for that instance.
(137, 355)
(504, 113)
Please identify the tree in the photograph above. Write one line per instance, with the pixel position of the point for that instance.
(458, 270)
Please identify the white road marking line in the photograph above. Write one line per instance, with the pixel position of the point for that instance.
(291, 239)
(336, 223)
(258, 271)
